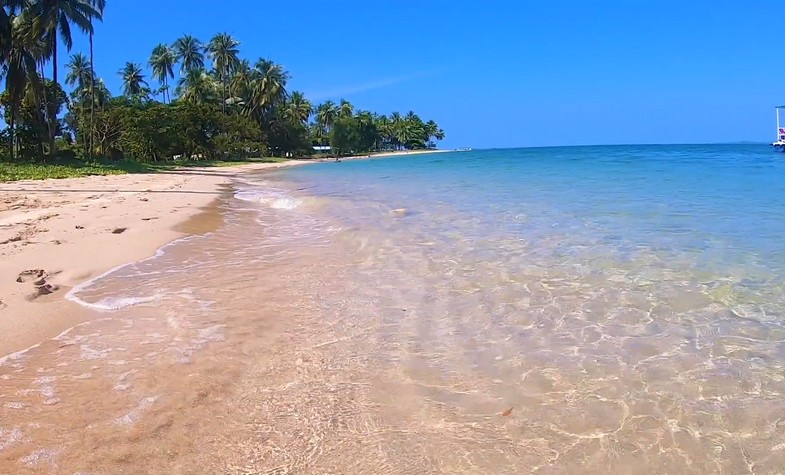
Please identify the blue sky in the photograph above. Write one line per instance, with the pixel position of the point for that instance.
(501, 73)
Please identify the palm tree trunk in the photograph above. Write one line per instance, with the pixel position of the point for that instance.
(223, 98)
(52, 105)
(92, 101)
(12, 129)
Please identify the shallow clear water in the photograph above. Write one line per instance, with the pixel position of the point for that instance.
(555, 310)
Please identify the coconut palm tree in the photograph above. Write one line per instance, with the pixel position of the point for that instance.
(385, 130)
(19, 66)
(267, 88)
(197, 87)
(101, 94)
(432, 131)
(78, 72)
(99, 6)
(326, 114)
(78, 75)
(298, 108)
(133, 80)
(5, 38)
(189, 51)
(50, 17)
(162, 63)
(223, 52)
(240, 82)
(346, 109)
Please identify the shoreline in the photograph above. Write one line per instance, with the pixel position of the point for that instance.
(57, 234)
(394, 153)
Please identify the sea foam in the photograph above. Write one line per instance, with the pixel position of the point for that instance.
(276, 199)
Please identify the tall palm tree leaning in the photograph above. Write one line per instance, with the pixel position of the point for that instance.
(99, 6)
(223, 51)
(133, 80)
(49, 18)
(162, 63)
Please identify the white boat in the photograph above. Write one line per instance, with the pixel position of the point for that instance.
(780, 142)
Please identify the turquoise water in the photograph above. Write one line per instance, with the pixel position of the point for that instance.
(547, 310)
(710, 213)
(627, 301)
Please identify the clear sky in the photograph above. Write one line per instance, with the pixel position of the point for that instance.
(501, 73)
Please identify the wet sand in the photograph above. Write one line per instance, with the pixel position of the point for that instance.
(71, 230)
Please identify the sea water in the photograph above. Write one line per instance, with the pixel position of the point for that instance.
(545, 310)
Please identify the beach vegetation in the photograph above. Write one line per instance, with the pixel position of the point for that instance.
(189, 100)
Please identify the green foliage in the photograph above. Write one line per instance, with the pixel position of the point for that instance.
(224, 107)
(38, 171)
(345, 135)
(157, 132)
(31, 117)
(61, 168)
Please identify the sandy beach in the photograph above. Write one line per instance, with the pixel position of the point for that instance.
(55, 234)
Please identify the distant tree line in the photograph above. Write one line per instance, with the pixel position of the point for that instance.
(199, 101)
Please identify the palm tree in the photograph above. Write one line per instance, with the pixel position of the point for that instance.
(298, 108)
(162, 63)
(197, 87)
(395, 124)
(99, 6)
(101, 94)
(385, 130)
(78, 74)
(267, 88)
(49, 18)
(133, 80)
(189, 52)
(346, 109)
(6, 20)
(432, 130)
(326, 114)
(223, 51)
(19, 65)
(240, 82)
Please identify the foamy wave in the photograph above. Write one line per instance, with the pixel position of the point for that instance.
(109, 304)
(285, 203)
(273, 198)
(17, 354)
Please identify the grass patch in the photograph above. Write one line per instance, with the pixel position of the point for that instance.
(40, 171)
(77, 168)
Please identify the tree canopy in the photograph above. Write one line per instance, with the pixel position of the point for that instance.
(189, 99)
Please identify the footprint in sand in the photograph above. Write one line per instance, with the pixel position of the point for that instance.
(33, 274)
(40, 285)
(119, 230)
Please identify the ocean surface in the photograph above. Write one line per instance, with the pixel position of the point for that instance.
(609, 309)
